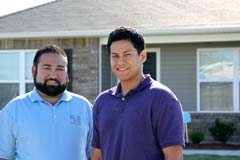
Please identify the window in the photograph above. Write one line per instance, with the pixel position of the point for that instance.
(152, 64)
(237, 100)
(15, 75)
(218, 79)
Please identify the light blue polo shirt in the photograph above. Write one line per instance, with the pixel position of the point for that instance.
(33, 129)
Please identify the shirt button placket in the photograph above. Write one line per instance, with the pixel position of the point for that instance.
(54, 113)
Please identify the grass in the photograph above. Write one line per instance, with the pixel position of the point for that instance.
(210, 157)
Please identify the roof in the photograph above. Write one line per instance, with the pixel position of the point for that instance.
(97, 17)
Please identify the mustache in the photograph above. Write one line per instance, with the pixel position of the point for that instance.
(52, 79)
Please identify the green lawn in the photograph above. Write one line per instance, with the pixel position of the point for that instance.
(210, 157)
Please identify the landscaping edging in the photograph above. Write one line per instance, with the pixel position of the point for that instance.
(218, 146)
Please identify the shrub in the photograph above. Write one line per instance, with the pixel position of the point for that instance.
(196, 136)
(222, 131)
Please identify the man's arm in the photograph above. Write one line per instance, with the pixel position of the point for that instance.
(96, 154)
(2, 159)
(173, 152)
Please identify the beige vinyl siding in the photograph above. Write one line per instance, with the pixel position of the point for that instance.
(178, 72)
(178, 69)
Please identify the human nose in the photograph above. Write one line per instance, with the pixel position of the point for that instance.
(120, 60)
(53, 74)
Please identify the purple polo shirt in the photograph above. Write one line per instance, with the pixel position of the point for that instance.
(139, 125)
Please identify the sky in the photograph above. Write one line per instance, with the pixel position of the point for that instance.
(11, 6)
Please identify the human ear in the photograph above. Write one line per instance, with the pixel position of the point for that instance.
(34, 71)
(143, 55)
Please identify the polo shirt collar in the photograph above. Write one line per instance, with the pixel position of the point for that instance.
(34, 96)
(117, 91)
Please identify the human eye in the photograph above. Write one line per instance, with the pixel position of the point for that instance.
(46, 67)
(114, 56)
(60, 68)
(128, 54)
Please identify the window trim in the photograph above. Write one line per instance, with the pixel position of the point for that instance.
(21, 81)
(158, 61)
(235, 81)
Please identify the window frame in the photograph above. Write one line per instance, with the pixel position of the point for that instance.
(157, 51)
(21, 81)
(235, 81)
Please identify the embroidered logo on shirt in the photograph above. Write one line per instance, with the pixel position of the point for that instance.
(75, 119)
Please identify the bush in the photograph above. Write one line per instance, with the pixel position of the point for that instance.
(222, 131)
(196, 136)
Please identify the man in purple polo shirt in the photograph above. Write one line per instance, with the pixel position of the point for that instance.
(139, 119)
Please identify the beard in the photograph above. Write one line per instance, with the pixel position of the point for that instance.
(50, 90)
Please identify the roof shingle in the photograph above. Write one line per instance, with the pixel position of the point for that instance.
(96, 15)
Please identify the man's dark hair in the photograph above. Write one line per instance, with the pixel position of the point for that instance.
(46, 50)
(127, 33)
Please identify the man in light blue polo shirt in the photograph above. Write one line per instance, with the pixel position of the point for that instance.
(48, 123)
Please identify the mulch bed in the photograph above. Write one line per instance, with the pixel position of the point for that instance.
(217, 146)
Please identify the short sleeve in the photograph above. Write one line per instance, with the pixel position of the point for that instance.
(7, 140)
(168, 122)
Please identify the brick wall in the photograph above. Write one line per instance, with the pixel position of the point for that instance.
(203, 121)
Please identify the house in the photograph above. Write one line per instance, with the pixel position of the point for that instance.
(193, 48)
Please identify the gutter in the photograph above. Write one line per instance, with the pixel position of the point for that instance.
(193, 30)
(104, 33)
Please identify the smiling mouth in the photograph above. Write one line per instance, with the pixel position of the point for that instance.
(121, 69)
(52, 82)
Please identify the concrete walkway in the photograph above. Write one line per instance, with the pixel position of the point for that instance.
(212, 152)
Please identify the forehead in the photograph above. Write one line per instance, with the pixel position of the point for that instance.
(121, 45)
(53, 58)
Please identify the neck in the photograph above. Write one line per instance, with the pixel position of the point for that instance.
(128, 85)
(51, 99)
